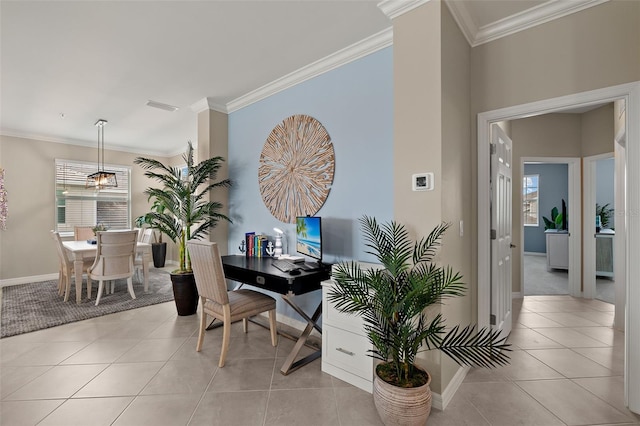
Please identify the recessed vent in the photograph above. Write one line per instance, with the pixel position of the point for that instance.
(160, 105)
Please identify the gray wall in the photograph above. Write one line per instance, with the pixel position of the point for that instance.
(605, 170)
(553, 188)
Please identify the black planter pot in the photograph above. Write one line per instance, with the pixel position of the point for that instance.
(185, 293)
(159, 252)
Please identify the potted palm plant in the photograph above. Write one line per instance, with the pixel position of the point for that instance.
(392, 302)
(158, 247)
(183, 213)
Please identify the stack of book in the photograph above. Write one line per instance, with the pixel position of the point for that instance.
(256, 245)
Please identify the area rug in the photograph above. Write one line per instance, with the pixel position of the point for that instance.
(35, 306)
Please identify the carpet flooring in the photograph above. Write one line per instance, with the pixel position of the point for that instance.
(35, 306)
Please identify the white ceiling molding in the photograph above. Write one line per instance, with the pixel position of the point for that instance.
(79, 142)
(351, 53)
(464, 20)
(553, 9)
(395, 8)
(206, 104)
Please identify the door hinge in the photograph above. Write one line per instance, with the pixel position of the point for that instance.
(492, 319)
(494, 234)
(492, 149)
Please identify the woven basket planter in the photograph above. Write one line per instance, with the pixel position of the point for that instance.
(402, 406)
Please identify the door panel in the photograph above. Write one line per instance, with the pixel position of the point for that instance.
(501, 222)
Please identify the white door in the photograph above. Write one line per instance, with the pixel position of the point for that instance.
(501, 190)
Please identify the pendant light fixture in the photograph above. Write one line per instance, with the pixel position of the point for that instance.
(101, 179)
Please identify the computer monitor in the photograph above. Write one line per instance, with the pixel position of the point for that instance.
(309, 236)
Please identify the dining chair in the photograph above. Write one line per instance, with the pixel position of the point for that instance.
(83, 233)
(114, 259)
(217, 301)
(66, 268)
(145, 237)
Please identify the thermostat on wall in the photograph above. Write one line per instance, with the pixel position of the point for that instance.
(422, 181)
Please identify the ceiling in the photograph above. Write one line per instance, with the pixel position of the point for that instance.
(66, 64)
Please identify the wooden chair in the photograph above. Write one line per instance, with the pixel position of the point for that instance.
(114, 259)
(146, 236)
(217, 301)
(83, 233)
(66, 268)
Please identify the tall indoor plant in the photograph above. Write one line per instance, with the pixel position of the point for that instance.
(392, 302)
(185, 214)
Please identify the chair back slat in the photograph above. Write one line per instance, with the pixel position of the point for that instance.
(147, 236)
(82, 233)
(208, 271)
(62, 254)
(115, 253)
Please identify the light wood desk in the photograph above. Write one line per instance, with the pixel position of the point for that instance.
(80, 250)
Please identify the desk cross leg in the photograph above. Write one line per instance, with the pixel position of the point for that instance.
(290, 364)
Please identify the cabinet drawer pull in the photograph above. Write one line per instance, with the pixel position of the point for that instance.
(344, 351)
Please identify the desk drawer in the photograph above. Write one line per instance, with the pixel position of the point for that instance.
(347, 351)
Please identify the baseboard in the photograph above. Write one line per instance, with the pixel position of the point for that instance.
(517, 295)
(26, 280)
(440, 401)
(534, 253)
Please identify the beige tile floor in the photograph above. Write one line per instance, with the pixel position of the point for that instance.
(140, 367)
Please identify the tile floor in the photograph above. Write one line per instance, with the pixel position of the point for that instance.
(140, 367)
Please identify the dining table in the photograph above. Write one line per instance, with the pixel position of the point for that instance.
(78, 251)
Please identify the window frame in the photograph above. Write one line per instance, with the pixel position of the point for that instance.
(71, 174)
(536, 199)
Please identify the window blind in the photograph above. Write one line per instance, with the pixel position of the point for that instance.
(80, 206)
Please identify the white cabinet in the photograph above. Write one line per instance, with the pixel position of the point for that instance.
(557, 249)
(604, 254)
(345, 345)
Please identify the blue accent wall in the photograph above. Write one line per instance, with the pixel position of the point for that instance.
(553, 188)
(355, 105)
(605, 188)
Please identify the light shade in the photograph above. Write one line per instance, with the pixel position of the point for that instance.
(101, 179)
(278, 230)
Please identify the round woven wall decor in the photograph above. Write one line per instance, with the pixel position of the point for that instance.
(296, 168)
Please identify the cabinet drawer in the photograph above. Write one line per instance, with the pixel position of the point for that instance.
(331, 316)
(348, 351)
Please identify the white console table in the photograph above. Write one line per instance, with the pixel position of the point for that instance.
(557, 249)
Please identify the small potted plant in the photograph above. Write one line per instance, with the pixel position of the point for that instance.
(606, 214)
(392, 302)
(183, 213)
(99, 228)
(158, 247)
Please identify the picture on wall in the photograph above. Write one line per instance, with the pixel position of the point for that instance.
(296, 168)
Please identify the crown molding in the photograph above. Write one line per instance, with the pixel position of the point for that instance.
(77, 142)
(462, 17)
(351, 53)
(546, 12)
(395, 8)
(208, 104)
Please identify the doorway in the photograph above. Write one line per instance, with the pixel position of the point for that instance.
(630, 93)
(544, 254)
(599, 227)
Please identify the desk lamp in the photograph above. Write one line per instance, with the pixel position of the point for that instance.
(279, 234)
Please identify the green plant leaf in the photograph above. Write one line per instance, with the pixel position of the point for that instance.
(393, 300)
(180, 209)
